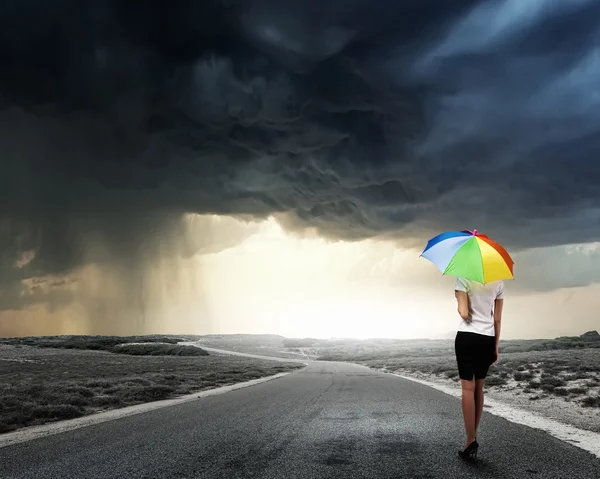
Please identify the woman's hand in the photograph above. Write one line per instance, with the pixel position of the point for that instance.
(495, 355)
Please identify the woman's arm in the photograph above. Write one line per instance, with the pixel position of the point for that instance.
(498, 304)
(464, 305)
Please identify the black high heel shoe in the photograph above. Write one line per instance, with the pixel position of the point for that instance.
(470, 452)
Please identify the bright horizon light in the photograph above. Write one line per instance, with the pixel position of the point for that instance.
(269, 281)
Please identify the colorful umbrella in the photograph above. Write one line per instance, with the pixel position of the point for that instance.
(470, 255)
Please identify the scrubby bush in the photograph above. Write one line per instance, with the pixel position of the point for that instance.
(522, 376)
(93, 343)
(495, 381)
(159, 350)
(591, 401)
(551, 380)
(57, 411)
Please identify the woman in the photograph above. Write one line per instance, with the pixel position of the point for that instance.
(476, 347)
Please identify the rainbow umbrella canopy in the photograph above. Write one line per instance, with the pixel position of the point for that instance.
(469, 255)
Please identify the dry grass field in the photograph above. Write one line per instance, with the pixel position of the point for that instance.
(43, 384)
(573, 375)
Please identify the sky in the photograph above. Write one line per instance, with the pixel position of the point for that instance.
(277, 166)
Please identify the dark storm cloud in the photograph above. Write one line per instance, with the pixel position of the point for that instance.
(556, 267)
(358, 118)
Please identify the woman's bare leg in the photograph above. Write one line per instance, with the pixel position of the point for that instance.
(478, 402)
(469, 410)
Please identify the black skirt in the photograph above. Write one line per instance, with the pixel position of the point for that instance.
(474, 354)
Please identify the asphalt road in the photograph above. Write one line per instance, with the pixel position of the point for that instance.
(329, 420)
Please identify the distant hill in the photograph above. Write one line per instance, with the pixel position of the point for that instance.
(591, 339)
(591, 334)
(300, 343)
(242, 338)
